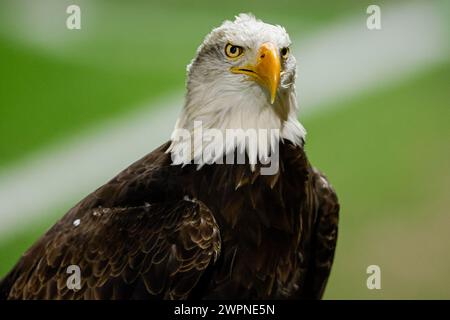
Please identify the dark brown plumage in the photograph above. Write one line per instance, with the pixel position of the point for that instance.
(162, 231)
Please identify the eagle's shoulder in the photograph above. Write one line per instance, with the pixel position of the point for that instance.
(327, 197)
(151, 177)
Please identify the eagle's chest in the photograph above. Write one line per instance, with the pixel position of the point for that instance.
(270, 239)
(263, 249)
(264, 231)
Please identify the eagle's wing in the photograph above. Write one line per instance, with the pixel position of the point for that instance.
(155, 250)
(324, 236)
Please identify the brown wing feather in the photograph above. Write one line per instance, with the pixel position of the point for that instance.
(324, 237)
(157, 250)
(137, 238)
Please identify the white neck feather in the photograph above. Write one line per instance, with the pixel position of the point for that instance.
(222, 108)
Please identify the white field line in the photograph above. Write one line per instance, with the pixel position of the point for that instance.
(337, 63)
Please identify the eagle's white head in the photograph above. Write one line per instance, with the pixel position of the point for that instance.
(243, 77)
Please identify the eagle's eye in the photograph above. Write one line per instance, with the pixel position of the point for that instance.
(233, 51)
(284, 52)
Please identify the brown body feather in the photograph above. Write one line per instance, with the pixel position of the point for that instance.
(162, 231)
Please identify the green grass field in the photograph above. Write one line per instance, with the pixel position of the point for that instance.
(126, 55)
(386, 152)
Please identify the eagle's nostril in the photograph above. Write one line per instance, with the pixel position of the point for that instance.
(262, 55)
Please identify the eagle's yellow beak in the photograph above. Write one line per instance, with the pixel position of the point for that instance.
(266, 71)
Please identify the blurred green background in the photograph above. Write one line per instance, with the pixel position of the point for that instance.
(385, 150)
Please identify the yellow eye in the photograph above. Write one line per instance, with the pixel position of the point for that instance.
(284, 52)
(233, 51)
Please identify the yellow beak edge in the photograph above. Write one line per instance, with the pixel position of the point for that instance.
(266, 71)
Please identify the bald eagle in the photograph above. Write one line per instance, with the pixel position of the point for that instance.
(182, 223)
